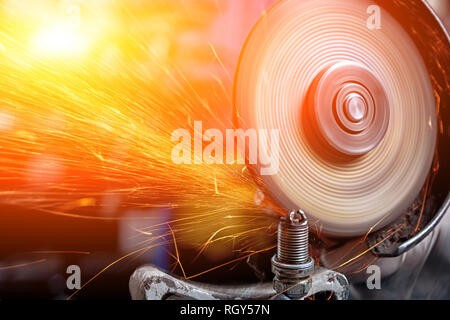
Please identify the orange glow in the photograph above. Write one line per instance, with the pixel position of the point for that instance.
(87, 108)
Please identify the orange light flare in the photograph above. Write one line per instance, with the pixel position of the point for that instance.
(90, 93)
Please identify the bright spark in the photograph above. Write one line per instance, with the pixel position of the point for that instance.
(60, 40)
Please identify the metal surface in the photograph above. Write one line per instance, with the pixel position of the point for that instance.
(151, 283)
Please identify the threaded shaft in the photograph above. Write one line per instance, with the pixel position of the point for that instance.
(293, 245)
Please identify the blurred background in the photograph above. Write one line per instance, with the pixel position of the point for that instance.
(181, 47)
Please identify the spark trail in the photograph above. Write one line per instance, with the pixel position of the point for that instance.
(87, 107)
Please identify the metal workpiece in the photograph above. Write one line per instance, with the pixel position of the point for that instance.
(295, 278)
(152, 283)
(293, 244)
(292, 264)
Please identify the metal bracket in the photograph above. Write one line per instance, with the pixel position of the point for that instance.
(152, 283)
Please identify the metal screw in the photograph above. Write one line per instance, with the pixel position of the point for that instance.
(292, 264)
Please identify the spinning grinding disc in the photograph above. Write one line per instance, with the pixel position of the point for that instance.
(354, 106)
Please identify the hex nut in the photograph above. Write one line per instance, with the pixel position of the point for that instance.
(292, 289)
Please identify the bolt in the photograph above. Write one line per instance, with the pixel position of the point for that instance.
(293, 242)
(292, 264)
